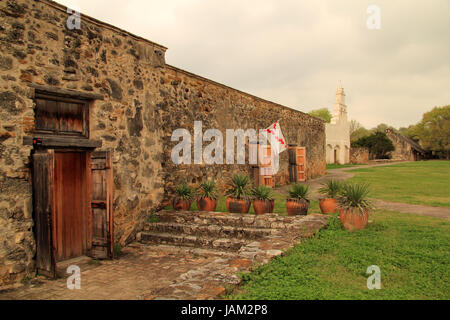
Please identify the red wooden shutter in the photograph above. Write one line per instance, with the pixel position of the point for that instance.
(43, 167)
(101, 205)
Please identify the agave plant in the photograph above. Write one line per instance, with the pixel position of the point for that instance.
(331, 188)
(239, 186)
(299, 191)
(185, 192)
(208, 190)
(355, 195)
(262, 193)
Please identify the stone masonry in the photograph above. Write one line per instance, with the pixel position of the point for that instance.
(144, 101)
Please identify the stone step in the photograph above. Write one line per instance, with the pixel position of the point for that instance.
(214, 231)
(266, 221)
(191, 241)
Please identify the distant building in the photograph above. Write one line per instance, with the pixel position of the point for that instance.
(405, 148)
(338, 132)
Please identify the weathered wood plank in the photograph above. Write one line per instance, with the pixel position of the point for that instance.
(66, 142)
(66, 92)
(43, 163)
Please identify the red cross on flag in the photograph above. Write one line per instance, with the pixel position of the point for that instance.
(276, 138)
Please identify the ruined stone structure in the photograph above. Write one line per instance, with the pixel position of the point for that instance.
(338, 132)
(359, 155)
(405, 148)
(109, 98)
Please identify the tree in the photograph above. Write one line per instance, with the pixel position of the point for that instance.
(434, 131)
(358, 134)
(354, 125)
(382, 128)
(322, 113)
(378, 143)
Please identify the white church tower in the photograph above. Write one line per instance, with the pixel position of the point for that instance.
(338, 132)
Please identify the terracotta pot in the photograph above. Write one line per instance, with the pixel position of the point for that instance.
(181, 204)
(263, 206)
(297, 207)
(328, 205)
(353, 219)
(206, 204)
(235, 205)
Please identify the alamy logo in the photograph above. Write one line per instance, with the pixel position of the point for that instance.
(74, 281)
(74, 20)
(374, 20)
(374, 281)
(213, 153)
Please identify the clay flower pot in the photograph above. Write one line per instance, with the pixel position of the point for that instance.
(180, 204)
(328, 205)
(263, 206)
(296, 207)
(235, 205)
(353, 219)
(206, 204)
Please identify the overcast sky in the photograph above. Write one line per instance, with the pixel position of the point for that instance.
(296, 52)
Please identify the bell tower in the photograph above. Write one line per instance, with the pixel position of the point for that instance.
(339, 109)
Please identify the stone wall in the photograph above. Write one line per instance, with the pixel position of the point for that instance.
(359, 155)
(190, 97)
(144, 101)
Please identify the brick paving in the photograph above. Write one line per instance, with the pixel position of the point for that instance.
(161, 271)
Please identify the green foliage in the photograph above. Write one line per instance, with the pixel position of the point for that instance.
(208, 190)
(299, 191)
(239, 187)
(331, 188)
(184, 191)
(355, 195)
(153, 218)
(412, 252)
(117, 250)
(433, 131)
(322, 113)
(378, 143)
(358, 134)
(262, 193)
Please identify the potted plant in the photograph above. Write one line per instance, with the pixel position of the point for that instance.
(354, 206)
(263, 201)
(208, 196)
(298, 202)
(237, 200)
(183, 199)
(330, 190)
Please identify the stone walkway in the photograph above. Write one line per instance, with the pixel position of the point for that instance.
(149, 271)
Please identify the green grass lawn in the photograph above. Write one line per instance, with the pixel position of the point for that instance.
(413, 253)
(424, 182)
(339, 166)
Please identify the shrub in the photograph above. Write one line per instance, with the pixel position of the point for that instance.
(262, 193)
(331, 188)
(239, 186)
(184, 191)
(208, 190)
(355, 195)
(299, 191)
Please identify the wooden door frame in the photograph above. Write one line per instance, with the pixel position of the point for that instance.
(88, 202)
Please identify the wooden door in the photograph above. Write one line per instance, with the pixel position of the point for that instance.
(43, 164)
(101, 205)
(71, 211)
(297, 164)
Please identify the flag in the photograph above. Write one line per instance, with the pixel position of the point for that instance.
(276, 138)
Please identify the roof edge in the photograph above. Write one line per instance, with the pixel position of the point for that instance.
(100, 23)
